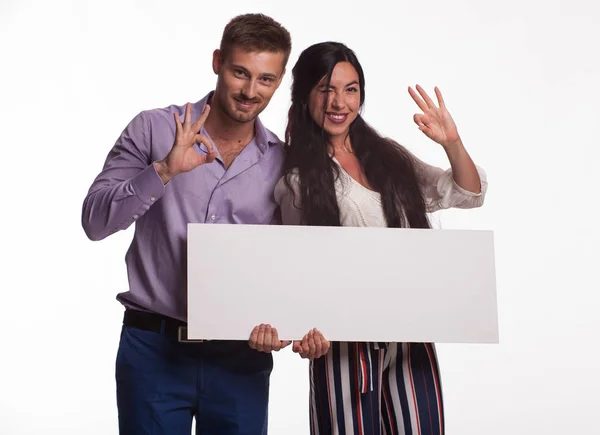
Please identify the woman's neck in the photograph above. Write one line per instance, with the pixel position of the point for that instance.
(341, 145)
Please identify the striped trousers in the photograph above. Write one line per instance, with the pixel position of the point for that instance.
(374, 389)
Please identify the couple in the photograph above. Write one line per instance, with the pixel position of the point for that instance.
(215, 162)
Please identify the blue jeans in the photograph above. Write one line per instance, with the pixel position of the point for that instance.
(162, 384)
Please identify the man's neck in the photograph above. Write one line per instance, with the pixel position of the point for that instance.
(225, 131)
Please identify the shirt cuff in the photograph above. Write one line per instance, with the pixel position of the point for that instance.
(147, 185)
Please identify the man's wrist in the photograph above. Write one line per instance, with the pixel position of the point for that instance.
(163, 171)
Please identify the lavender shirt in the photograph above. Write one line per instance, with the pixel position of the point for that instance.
(128, 190)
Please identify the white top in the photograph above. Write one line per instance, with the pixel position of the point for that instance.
(361, 207)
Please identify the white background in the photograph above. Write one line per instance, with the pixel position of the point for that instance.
(521, 79)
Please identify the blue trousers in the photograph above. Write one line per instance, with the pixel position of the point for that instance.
(162, 384)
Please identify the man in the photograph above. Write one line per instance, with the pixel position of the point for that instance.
(210, 162)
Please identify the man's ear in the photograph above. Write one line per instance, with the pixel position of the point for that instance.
(217, 61)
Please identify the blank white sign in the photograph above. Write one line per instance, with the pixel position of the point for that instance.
(353, 284)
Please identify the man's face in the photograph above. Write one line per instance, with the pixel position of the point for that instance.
(246, 81)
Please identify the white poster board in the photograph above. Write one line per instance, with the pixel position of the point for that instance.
(353, 284)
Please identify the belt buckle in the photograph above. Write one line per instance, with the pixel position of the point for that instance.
(180, 333)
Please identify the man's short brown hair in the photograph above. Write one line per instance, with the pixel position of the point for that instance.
(256, 32)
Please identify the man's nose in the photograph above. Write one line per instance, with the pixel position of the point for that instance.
(249, 90)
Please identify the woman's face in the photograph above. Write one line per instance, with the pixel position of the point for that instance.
(344, 101)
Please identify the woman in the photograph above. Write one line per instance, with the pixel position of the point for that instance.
(340, 171)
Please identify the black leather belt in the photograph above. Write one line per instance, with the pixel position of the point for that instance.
(158, 323)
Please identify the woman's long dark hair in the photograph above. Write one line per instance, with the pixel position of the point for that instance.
(387, 166)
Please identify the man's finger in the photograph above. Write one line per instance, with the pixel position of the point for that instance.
(188, 115)
(253, 337)
(275, 343)
(211, 155)
(200, 121)
(200, 138)
(208, 158)
(260, 341)
(178, 127)
(297, 347)
(268, 345)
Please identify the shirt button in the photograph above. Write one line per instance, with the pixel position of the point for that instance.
(152, 198)
(135, 216)
(213, 217)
